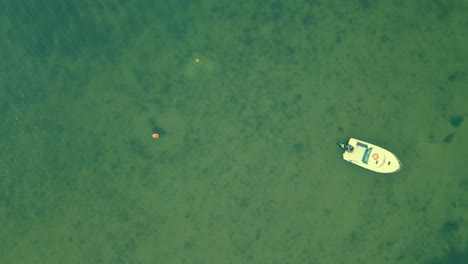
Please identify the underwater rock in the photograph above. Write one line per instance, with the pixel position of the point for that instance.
(298, 147)
(448, 139)
(456, 121)
(452, 77)
(449, 227)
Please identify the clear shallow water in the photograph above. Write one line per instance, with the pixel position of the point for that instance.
(246, 169)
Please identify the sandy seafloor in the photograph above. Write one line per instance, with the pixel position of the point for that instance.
(246, 168)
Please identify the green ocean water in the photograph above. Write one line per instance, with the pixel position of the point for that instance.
(246, 169)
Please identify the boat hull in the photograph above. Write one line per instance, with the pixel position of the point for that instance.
(371, 157)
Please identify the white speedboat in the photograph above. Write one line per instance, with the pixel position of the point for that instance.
(370, 156)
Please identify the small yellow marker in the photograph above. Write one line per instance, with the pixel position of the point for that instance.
(197, 60)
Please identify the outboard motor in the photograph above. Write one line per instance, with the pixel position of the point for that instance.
(348, 147)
